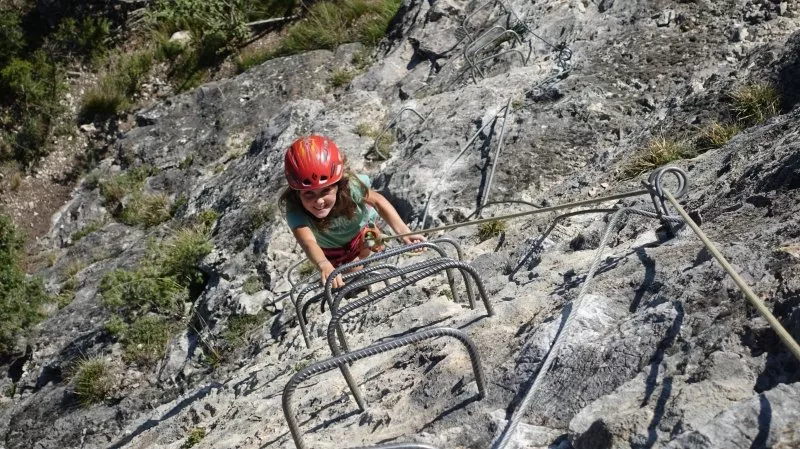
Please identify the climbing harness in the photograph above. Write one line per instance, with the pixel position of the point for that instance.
(344, 359)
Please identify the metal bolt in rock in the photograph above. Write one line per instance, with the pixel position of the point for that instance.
(344, 359)
(334, 328)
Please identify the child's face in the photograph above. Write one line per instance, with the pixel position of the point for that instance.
(319, 202)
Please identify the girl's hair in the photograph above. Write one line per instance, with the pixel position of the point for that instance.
(345, 206)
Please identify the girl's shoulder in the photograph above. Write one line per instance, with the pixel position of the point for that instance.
(359, 186)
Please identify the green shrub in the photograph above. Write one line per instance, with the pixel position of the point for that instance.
(207, 219)
(32, 87)
(12, 38)
(116, 326)
(195, 436)
(114, 91)
(94, 381)
(341, 78)
(162, 282)
(252, 285)
(179, 256)
(115, 189)
(491, 229)
(755, 103)
(660, 151)
(146, 210)
(715, 135)
(252, 57)
(216, 26)
(330, 24)
(134, 292)
(145, 342)
(21, 298)
(306, 268)
(85, 37)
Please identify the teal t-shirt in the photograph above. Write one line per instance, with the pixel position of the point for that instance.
(342, 229)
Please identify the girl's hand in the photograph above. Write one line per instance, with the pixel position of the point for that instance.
(326, 268)
(414, 238)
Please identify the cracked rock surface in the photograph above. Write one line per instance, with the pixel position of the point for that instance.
(663, 351)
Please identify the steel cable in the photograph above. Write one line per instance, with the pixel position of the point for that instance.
(555, 347)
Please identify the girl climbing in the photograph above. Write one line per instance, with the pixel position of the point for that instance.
(329, 209)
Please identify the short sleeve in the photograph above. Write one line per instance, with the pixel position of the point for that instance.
(359, 193)
(295, 218)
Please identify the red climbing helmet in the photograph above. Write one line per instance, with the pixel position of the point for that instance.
(313, 162)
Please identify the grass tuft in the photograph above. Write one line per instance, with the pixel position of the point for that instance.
(114, 91)
(755, 103)
(252, 285)
(195, 436)
(660, 151)
(146, 210)
(240, 326)
(341, 78)
(491, 229)
(715, 135)
(145, 342)
(94, 381)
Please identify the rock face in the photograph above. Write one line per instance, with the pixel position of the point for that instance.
(661, 351)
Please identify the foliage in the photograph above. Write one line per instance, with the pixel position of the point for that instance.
(252, 285)
(252, 57)
(162, 281)
(341, 78)
(207, 218)
(715, 135)
(195, 436)
(31, 87)
(755, 103)
(92, 226)
(113, 92)
(145, 342)
(21, 298)
(12, 39)
(330, 24)
(94, 381)
(85, 37)
(327, 25)
(491, 229)
(660, 151)
(146, 210)
(239, 326)
(306, 268)
(116, 326)
(215, 25)
(113, 190)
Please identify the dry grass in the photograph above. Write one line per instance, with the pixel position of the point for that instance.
(491, 229)
(659, 152)
(755, 103)
(715, 135)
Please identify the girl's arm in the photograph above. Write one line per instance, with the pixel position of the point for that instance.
(314, 253)
(390, 216)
